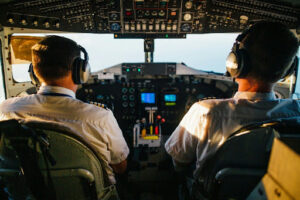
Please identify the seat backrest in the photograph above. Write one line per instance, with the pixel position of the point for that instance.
(68, 165)
(238, 165)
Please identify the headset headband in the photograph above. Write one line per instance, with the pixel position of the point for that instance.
(86, 56)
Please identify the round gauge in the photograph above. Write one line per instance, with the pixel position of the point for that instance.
(11, 20)
(187, 17)
(57, 24)
(131, 90)
(115, 27)
(131, 98)
(47, 24)
(24, 22)
(124, 90)
(35, 22)
(113, 16)
(161, 13)
(186, 27)
(125, 104)
(124, 97)
(154, 13)
(188, 5)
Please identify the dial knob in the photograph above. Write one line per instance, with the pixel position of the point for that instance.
(188, 5)
(187, 17)
(47, 24)
(24, 22)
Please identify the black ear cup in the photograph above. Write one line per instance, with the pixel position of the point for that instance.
(292, 68)
(76, 70)
(35, 81)
(81, 68)
(237, 62)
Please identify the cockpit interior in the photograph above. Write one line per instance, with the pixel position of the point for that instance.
(150, 61)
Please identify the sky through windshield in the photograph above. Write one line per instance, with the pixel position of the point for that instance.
(205, 52)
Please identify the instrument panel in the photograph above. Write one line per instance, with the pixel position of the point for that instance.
(146, 18)
(137, 92)
(128, 95)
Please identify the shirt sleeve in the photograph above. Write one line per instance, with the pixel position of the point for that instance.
(192, 129)
(117, 145)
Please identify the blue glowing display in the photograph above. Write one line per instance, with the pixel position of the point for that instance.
(148, 98)
(170, 97)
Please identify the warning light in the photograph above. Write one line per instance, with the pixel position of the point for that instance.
(116, 35)
(167, 35)
(128, 13)
(156, 130)
(128, 70)
(173, 13)
(139, 70)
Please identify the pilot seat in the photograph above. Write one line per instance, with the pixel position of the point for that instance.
(47, 161)
(240, 163)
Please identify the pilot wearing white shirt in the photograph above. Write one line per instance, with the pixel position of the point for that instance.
(262, 55)
(57, 65)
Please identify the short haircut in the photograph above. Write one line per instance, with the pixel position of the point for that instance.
(53, 57)
(271, 48)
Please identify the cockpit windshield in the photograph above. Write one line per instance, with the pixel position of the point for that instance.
(205, 52)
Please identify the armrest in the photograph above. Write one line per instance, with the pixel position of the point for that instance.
(9, 172)
(83, 173)
(223, 173)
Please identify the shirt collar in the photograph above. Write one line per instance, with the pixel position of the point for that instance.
(56, 89)
(255, 95)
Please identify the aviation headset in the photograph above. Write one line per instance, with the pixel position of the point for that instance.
(238, 64)
(80, 69)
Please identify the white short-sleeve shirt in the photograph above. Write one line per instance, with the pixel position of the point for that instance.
(95, 125)
(208, 123)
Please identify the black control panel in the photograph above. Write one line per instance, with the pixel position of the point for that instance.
(141, 18)
(171, 95)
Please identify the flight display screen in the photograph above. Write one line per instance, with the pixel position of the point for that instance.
(148, 98)
(170, 97)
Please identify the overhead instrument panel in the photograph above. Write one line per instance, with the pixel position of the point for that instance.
(229, 15)
(156, 16)
(147, 18)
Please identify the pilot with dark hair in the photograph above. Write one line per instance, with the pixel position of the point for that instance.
(58, 67)
(262, 55)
